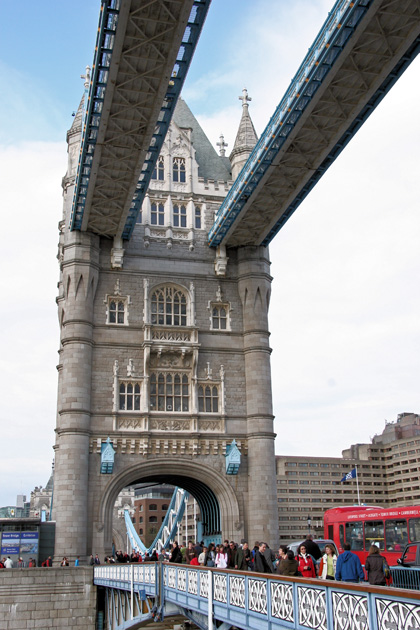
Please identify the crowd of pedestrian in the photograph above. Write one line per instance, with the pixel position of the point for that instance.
(309, 562)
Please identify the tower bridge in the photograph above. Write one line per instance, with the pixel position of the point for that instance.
(164, 348)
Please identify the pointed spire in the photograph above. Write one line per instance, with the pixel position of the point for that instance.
(222, 144)
(246, 138)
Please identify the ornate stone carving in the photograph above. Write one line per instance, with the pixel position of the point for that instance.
(130, 423)
(210, 425)
(170, 424)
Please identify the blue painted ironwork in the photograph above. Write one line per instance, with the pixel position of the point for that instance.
(93, 103)
(340, 25)
(103, 51)
(192, 33)
(406, 577)
(253, 600)
(233, 458)
(107, 458)
(169, 528)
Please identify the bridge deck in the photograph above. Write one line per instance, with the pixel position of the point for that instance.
(251, 600)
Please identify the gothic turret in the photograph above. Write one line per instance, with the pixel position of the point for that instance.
(246, 138)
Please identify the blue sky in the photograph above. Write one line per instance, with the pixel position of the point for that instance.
(344, 312)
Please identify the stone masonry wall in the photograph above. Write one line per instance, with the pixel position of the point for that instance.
(62, 597)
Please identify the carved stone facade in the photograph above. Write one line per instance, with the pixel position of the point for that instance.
(164, 349)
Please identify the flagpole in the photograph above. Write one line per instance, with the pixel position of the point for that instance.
(357, 481)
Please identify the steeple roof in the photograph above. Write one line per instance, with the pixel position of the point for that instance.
(210, 164)
(246, 138)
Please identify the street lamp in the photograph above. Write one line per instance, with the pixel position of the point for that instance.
(309, 524)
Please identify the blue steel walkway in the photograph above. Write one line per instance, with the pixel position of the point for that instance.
(215, 598)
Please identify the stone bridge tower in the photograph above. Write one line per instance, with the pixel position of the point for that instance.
(165, 350)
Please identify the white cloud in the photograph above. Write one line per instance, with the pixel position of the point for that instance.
(31, 208)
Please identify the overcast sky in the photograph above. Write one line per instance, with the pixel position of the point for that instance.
(345, 301)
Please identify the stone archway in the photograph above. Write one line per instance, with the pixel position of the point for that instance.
(231, 524)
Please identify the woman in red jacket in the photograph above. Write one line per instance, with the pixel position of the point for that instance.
(306, 565)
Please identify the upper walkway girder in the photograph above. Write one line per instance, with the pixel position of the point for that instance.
(362, 49)
(143, 52)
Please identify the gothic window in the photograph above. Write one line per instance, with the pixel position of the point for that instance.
(208, 399)
(219, 317)
(157, 214)
(180, 216)
(129, 396)
(168, 307)
(198, 218)
(159, 170)
(169, 391)
(178, 170)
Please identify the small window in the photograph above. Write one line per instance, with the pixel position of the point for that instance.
(198, 218)
(141, 519)
(179, 216)
(219, 318)
(165, 506)
(116, 311)
(140, 532)
(157, 214)
(178, 170)
(129, 396)
(208, 399)
(152, 519)
(159, 170)
(153, 507)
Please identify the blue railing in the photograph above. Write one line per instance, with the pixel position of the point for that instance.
(406, 577)
(251, 600)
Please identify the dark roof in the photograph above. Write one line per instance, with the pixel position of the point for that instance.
(210, 164)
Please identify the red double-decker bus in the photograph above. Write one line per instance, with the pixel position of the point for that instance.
(362, 526)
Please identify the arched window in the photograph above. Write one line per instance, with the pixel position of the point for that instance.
(198, 218)
(179, 216)
(169, 307)
(129, 396)
(157, 214)
(178, 170)
(169, 391)
(165, 506)
(153, 507)
(152, 519)
(140, 532)
(208, 399)
(159, 170)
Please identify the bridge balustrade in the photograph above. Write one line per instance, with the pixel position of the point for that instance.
(256, 601)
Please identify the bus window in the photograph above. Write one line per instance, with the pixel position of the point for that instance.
(374, 534)
(331, 532)
(414, 528)
(341, 535)
(354, 535)
(395, 534)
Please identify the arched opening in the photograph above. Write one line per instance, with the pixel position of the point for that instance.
(218, 505)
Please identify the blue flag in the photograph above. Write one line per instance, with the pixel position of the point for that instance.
(350, 475)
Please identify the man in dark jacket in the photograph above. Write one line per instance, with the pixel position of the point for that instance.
(242, 557)
(312, 548)
(260, 563)
(349, 567)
